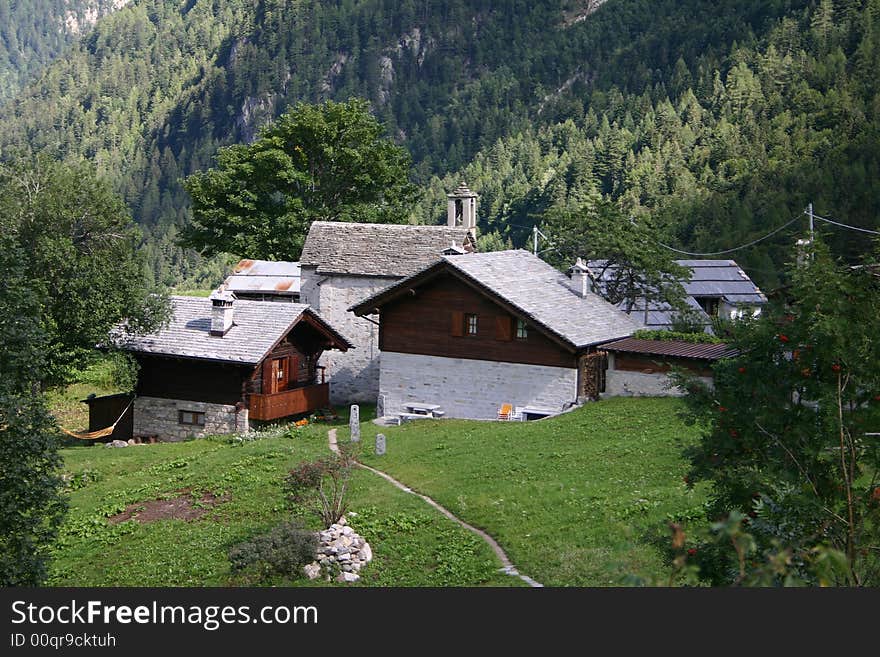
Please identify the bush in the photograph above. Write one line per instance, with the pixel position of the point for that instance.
(688, 321)
(283, 551)
(701, 338)
(320, 486)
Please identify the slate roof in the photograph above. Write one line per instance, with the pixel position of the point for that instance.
(721, 278)
(257, 326)
(391, 250)
(709, 278)
(680, 349)
(264, 277)
(538, 291)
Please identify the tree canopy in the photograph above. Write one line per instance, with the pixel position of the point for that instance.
(790, 440)
(328, 162)
(78, 250)
(628, 258)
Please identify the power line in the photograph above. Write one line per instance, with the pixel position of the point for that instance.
(738, 248)
(837, 223)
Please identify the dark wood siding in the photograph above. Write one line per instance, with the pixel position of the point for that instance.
(300, 367)
(104, 411)
(431, 322)
(178, 378)
(650, 364)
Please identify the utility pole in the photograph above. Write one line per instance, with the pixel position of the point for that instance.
(810, 214)
(535, 238)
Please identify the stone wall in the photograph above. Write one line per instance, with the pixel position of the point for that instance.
(353, 375)
(154, 416)
(621, 383)
(472, 389)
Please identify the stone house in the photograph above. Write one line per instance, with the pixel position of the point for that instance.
(343, 263)
(476, 332)
(222, 362)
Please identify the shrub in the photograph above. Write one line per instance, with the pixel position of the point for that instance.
(320, 486)
(283, 551)
(688, 321)
(702, 338)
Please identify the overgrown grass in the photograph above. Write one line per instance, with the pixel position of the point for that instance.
(66, 403)
(413, 544)
(582, 499)
(192, 293)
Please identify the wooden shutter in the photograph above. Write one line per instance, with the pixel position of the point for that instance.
(292, 370)
(457, 327)
(267, 376)
(504, 328)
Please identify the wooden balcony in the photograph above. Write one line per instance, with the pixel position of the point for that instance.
(289, 402)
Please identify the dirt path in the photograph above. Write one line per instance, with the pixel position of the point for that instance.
(508, 567)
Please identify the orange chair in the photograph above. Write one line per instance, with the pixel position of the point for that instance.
(505, 412)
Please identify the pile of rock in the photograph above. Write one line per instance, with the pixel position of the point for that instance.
(340, 550)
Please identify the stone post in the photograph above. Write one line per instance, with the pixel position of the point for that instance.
(354, 423)
(380, 444)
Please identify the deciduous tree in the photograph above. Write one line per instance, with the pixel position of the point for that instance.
(791, 426)
(328, 162)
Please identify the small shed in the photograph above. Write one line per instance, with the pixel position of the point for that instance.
(104, 411)
(639, 367)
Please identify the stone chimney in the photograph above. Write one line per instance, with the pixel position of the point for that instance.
(580, 279)
(221, 312)
(461, 209)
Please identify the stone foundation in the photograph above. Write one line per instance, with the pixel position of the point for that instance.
(619, 383)
(154, 416)
(472, 389)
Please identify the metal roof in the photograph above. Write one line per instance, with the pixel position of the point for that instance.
(539, 292)
(265, 277)
(679, 349)
(387, 250)
(257, 327)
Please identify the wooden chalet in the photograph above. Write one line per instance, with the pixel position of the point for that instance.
(475, 333)
(222, 362)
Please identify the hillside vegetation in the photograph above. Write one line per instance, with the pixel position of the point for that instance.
(720, 120)
(34, 32)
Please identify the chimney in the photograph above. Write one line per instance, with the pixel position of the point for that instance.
(461, 209)
(455, 249)
(221, 312)
(580, 279)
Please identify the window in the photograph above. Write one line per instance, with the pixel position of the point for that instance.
(522, 331)
(470, 324)
(709, 305)
(196, 418)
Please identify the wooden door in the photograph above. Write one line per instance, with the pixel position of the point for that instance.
(278, 375)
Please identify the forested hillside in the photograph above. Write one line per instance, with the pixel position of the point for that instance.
(721, 120)
(34, 32)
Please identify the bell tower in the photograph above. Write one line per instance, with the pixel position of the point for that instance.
(462, 209)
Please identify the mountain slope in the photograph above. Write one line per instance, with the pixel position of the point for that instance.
(670, 107)
(34, 32)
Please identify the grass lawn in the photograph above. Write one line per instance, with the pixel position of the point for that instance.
(413, 545)
(582, 499)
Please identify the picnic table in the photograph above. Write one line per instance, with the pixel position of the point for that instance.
(416, 410)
